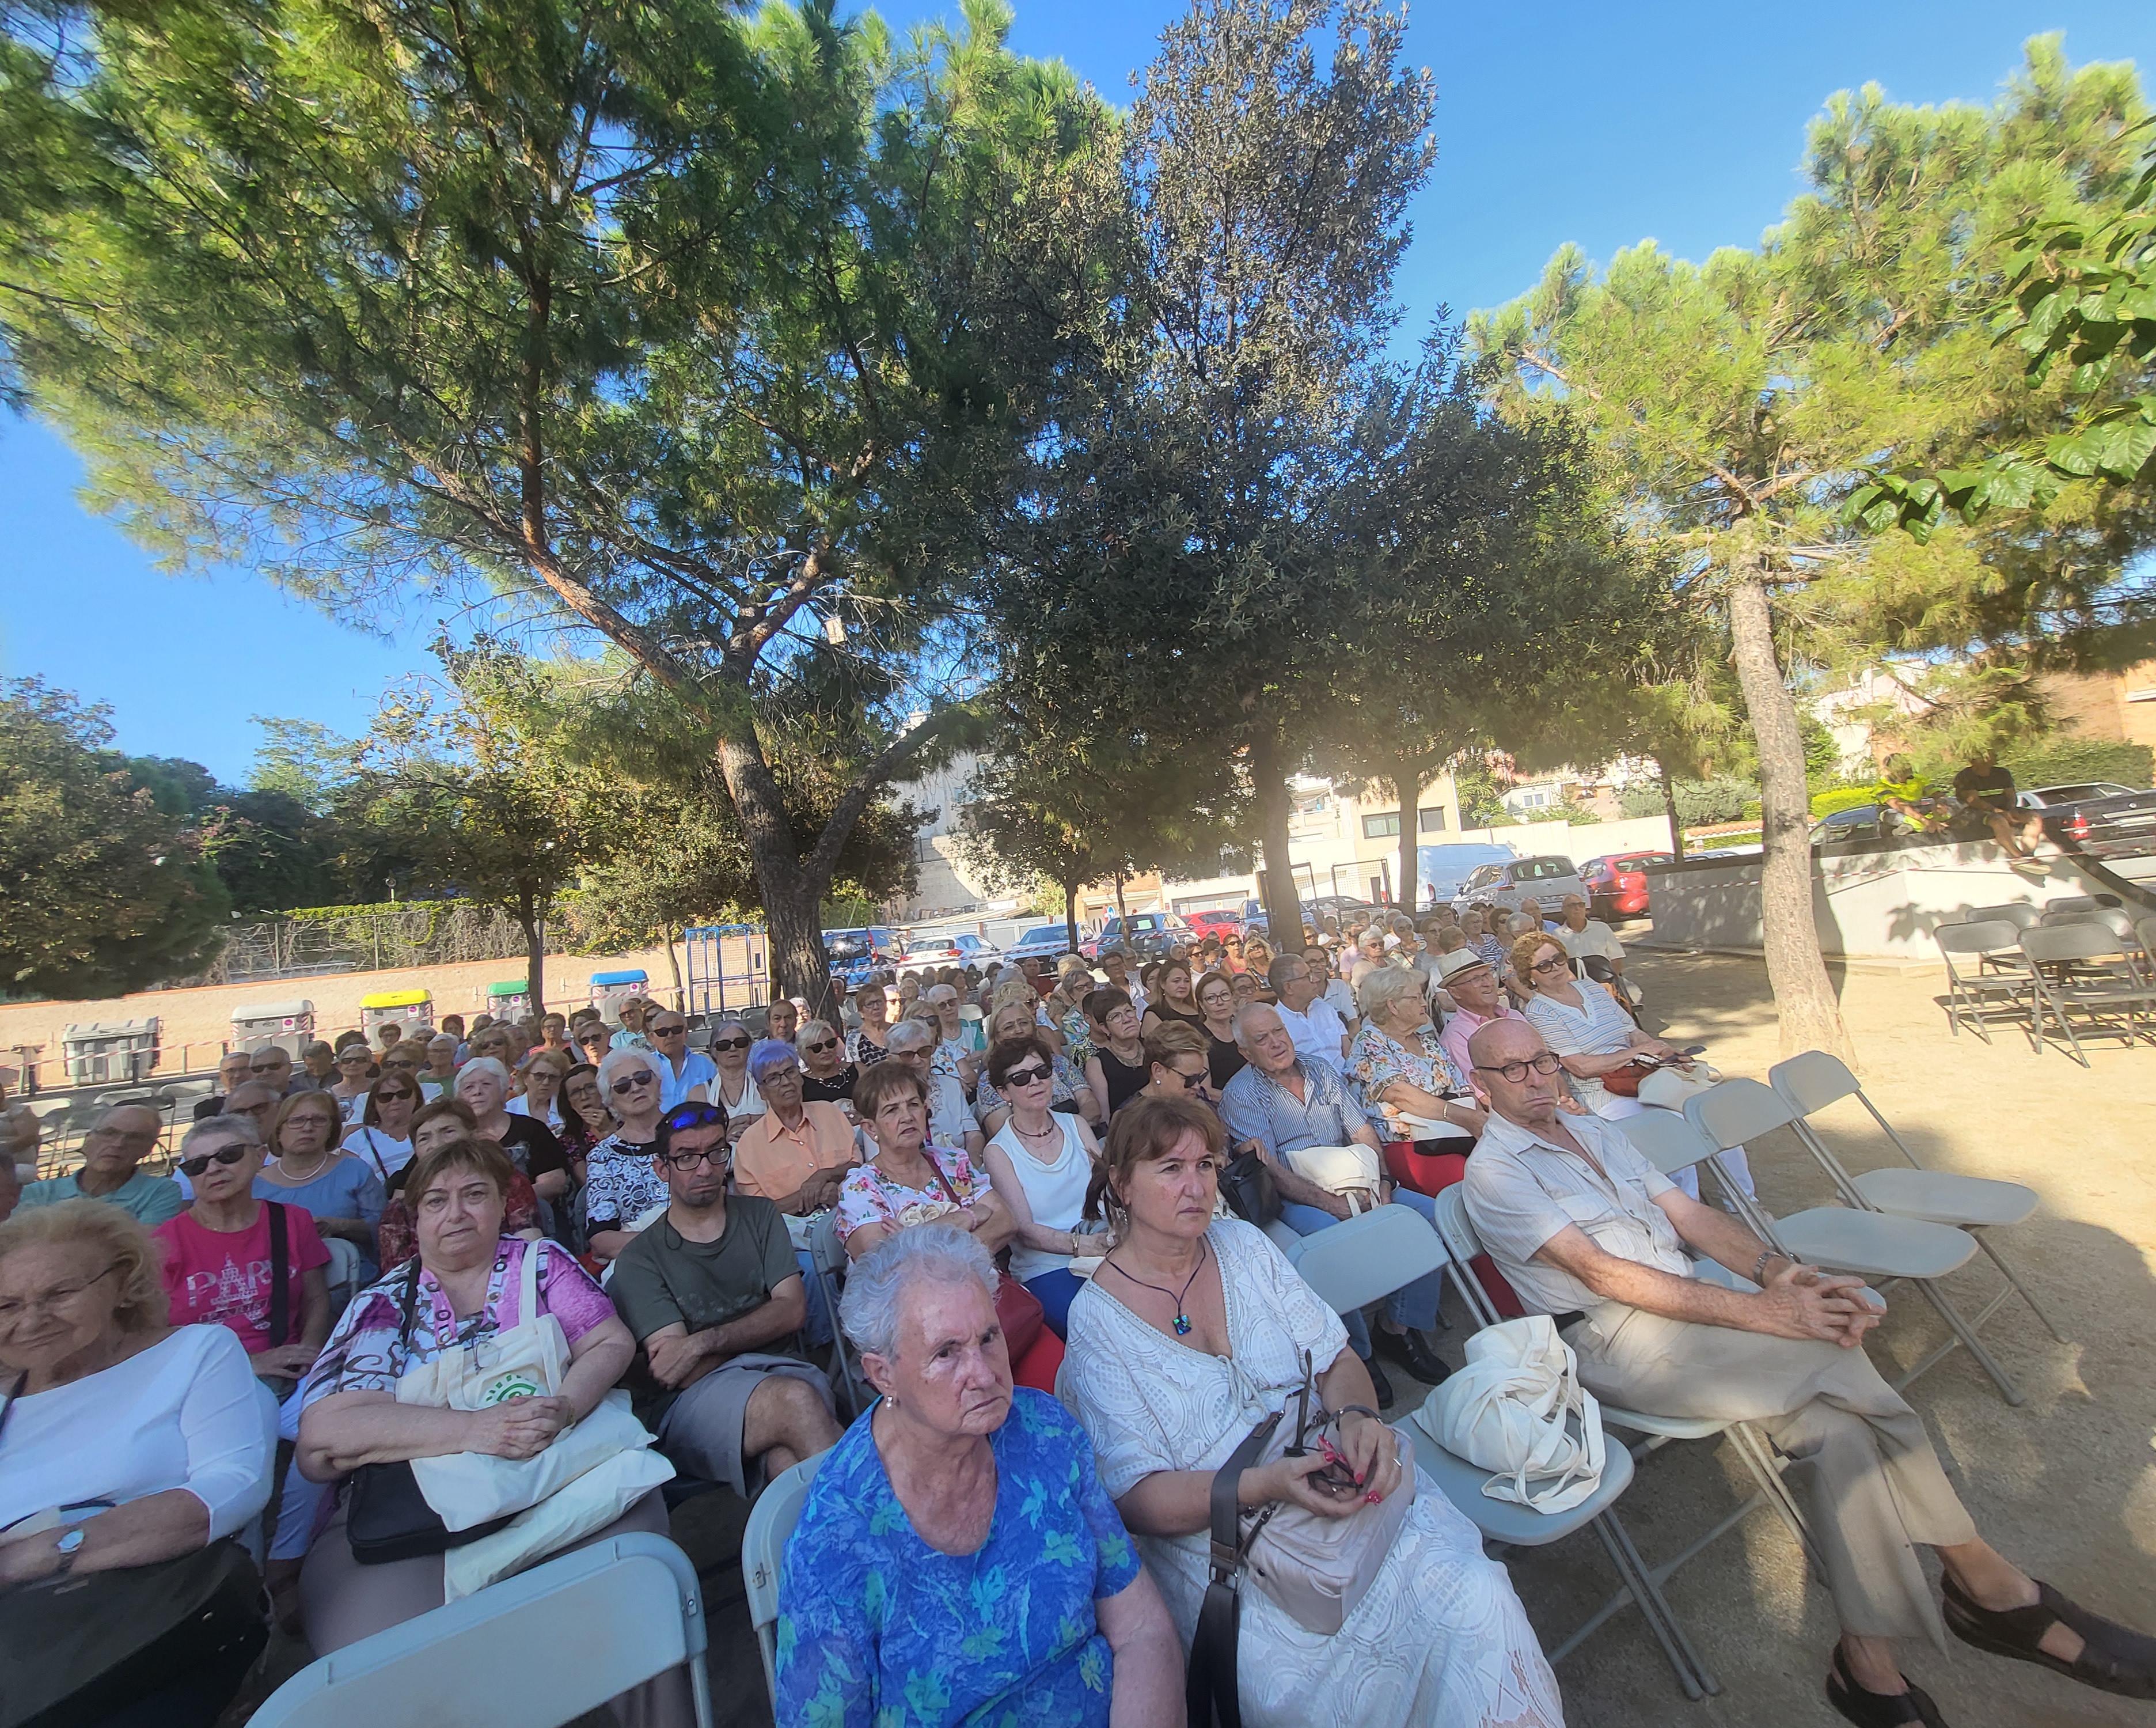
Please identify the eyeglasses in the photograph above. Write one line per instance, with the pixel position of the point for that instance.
(1033, 1074)
(667, 1031)
(1555, 963)
(355, 1059)
(630, 1084)
(266, 1068)
(730, 1043)
(715, 1157)
(11, 1311)
(1191, 1083)
(818, 1049)
(1516, 1072)
(382, 1097)
(224, 1155)
(264, 1109)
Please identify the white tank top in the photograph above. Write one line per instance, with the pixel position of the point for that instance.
(1056, 1192)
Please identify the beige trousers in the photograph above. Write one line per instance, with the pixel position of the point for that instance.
(1878, 1490)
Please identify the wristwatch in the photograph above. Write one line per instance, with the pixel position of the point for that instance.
(67, 1547)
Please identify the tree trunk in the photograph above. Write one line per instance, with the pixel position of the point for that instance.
(1122, 911)
(1408, 782)
(1070, 914)
(535, 955)
(792, 893)
(674, 964)
(1670, 809)
(1269, 791)
(1805, 1006)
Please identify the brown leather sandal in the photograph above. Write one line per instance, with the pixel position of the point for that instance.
(2113, 1658)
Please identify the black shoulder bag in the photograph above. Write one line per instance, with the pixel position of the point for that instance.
(78, 1649)
(1209, 1685)
(386, 1517)
(1247, 1187)
(280, 1298)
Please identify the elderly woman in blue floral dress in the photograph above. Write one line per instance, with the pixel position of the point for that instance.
(958, 1560)
(1404, 1074)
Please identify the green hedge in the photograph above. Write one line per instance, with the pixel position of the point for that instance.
(2062, 761)
(1842, 798)
(331, 914)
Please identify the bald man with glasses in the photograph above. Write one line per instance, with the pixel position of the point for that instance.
(112, 1154)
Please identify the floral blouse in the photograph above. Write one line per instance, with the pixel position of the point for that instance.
(1375, 1060)
(870, 1196)
(363, 1354)
(1077, 1035)
(876, 1627)
(619, 1184)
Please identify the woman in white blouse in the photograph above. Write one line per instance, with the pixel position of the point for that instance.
(124, 1442)
(1040, 1162)
(1193, 1330)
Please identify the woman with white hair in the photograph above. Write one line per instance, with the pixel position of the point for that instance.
(900, 1577)
(483, 1084)
(953, 1056)
(912, 1043)
(1406, 1073)
(620, 1184)
(734, 1091)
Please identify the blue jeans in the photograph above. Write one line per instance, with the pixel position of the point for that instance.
(1412, 1305)
(1056, 1290)
(818, 1332)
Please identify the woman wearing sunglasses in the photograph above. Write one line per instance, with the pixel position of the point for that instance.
(622, 1187)
(735, 1092)
(1039, 1162)
(1180, 1065)
(827, 1077)
(1015, 1017)
(1582, 1022)
(355, 1068)
(383, 1138)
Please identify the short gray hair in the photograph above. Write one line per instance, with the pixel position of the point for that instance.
(482, 1065)
(1244, 1012)
(809, 1028)
(1572, 900)
(910, 1034)
(1382, 986)
(867, 1312)
(940, 994)
(772, 1056)
(627, 1056)
(241, 1128)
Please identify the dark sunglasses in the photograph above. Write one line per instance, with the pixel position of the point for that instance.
(667, 1031)
(818, 1049)
(730, 1043)
(224, 1155)
(384, 1097)
(630, 1083)
(1191, 1083)
(1033, 1074)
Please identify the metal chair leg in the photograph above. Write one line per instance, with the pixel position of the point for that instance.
(1967, 1339)
(2014, 1279)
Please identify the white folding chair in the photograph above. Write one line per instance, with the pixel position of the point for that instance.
(1810, 1082)
(1840, 1238)
(1508, 1525)
(2091, 970)
(539, 1649)
(1362, 1259)
(827, 1262)
(771, 1521)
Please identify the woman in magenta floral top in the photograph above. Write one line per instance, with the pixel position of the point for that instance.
(908, 1181)
(464, 1285)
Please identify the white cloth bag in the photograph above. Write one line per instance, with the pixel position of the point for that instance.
(526, 1361)
(590, 1503)
(1518, 1408)
(1352, 1171)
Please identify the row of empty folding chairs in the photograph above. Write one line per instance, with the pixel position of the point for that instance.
(2036, 967)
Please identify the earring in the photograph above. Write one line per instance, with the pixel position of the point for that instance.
(891, 1399)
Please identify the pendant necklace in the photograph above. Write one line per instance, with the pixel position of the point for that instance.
(1182, 1320)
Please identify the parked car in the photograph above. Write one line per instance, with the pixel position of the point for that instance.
(1043, 943)
(2047, 798)
(1443, 870)
(1546, 881)
(2116, 825)
(854, 953)
(1143, 935)
(1216, 923)
(1617, 884)
(932, 953)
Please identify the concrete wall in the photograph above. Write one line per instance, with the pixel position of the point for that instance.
(1871, 900)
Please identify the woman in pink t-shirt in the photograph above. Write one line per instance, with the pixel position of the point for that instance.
(217, 1255)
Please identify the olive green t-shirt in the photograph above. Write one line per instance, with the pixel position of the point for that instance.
(661, 1279)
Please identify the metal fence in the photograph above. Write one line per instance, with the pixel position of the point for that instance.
(439, 934)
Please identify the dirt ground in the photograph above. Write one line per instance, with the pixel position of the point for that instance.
(2066, 1484)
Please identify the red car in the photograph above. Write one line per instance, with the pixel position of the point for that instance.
(1617, 885)
(1218, 924)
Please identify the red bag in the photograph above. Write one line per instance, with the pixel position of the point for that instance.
(1430, 1172)
(1019, 1314)
(1624, 1082)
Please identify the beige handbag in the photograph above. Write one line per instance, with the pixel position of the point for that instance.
(1352, 1171)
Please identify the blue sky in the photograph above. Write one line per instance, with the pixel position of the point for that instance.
(1594, 123)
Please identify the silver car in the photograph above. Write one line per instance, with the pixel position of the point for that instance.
(1546, 881)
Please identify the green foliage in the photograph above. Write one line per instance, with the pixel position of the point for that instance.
(104, 891)
(1717, 800)
(1840, 798)
(1481, 795)
(2065, 761)
(269, 850)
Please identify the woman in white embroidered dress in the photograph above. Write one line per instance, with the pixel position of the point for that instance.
(1193, 1330)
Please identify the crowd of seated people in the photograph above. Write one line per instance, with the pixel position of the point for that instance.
(1067, 1324)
